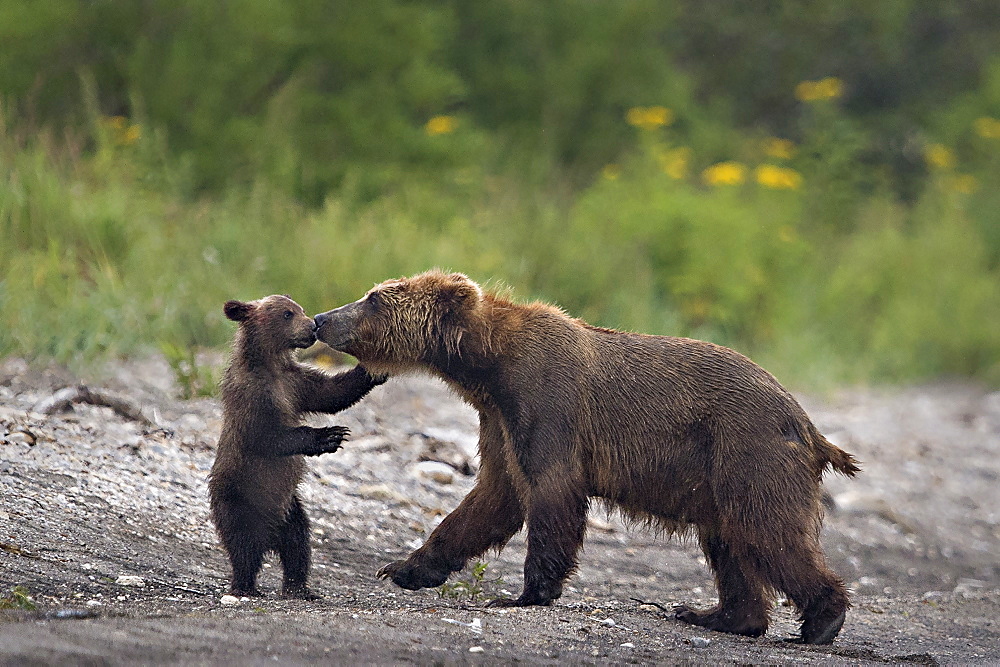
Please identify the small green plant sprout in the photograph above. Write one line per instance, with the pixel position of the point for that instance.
(194, 378)
(18, 599)
(473, 587)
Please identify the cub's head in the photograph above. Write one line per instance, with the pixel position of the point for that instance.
(274, 323)
(405, 322)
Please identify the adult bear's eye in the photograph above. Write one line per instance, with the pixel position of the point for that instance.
(288, 314)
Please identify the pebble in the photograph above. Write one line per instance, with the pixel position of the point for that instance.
(627, 645)
(229, 600)
(20, 438)
(969, 587)
(130, 580)
(94, 603)
(476, 649)
(700, 642)
(381, 492)
(442, 473)
(610, 622)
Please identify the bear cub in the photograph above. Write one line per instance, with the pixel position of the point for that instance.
(680, 433)
(259, 461)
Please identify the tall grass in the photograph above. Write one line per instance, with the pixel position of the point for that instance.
(107, 252)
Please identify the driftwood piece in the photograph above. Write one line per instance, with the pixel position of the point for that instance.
(63, 400)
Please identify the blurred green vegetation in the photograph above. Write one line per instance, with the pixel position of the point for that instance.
(814, 184)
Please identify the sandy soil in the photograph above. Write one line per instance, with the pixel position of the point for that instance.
(88, 496)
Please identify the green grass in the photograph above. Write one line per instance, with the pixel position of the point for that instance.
(109, 254)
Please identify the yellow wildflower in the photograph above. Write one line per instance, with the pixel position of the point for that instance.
(131, 135)
(724, 173)
(674, 162)
(939, 156)
(778, 178)
(649, 118)
(987, 128)
(824, 89)
(440, 125)
(782, 149)
(696, 309)
(964, 184)
(611, 172)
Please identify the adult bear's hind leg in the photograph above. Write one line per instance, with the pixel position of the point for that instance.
(743, 605)
(801, 572)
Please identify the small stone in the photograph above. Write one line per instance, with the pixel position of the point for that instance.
(21, 438)
(229, 600)
(627, 645)
(700, 642)
(94, 603)
(130, 580)
(476, 649)
(969, 587)
(610, 622)
(442, 473)
(381, 492)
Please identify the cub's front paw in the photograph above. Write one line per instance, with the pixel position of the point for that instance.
(412, 577)
(329, 438)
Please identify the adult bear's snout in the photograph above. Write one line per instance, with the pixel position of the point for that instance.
(336, 327)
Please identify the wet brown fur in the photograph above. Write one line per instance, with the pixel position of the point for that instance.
(259, 461)
(680, 433)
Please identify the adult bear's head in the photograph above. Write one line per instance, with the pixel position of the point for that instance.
(406, 322)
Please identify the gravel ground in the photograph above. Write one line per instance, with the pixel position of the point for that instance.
(104, 522)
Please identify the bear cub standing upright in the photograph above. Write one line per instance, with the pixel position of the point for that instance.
(259, 461)
(677, 432)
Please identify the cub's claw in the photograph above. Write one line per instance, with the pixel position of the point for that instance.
(329, 438)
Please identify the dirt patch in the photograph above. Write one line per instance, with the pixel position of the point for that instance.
(92, 497)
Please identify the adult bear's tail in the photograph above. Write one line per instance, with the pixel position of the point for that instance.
(833, 455)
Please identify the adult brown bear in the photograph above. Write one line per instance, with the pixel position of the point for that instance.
(671, 430)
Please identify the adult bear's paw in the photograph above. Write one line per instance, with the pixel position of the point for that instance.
(412, 576)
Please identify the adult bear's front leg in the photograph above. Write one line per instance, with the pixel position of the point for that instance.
(486, 518)
(556, 524)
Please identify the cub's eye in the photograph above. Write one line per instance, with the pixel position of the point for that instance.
(288, 314)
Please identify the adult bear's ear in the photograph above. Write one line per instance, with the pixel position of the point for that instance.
(460, 291)
(238, 311)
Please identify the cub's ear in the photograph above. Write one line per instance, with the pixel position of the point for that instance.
(238, 311)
